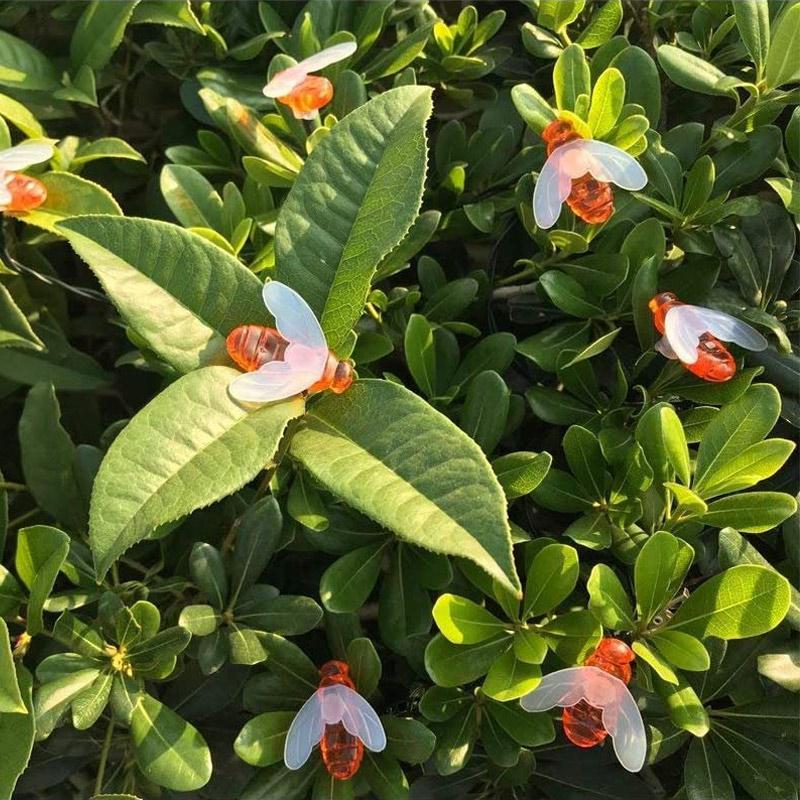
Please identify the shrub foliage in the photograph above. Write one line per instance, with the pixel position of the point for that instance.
(516, 473)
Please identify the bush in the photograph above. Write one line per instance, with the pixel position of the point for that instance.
(517, 472)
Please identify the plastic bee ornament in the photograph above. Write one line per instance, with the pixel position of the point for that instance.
(579, 172)
(21, 192)
(337, 718)
(596, 703)
(305, 94)
(691, 334)
(284, 362)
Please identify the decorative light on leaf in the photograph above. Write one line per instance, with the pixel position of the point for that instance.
(337, 718)
(287, 361)
(579, 172)
(597, 703)
(21, 192)
(691, 335)
(304, 93)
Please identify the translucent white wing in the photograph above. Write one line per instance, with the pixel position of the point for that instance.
(294, 318)
(623, 720)
(621, 716)
(552, 189)
(342, 704)
(685, 324)
(304, 733)
(287, 79)
(5, 195)
(276, 380)
(663, 347)
(612, 165)
(563, 688)
(25, 155)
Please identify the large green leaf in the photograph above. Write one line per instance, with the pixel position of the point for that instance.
(742, 601)
(390, 455)
(24, 67)
(10, 698)
(188, 447)
(354, 201)
(181, 293)
(16, 737)
(169, 751)
(99, 32)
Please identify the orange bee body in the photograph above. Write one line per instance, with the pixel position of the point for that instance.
(26, 193)
(583, 724)
(309, 95)
(252, 346)
(714, 361)
(590, 200)
(341, 751)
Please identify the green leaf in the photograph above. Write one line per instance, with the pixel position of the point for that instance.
(69, 196)
(532, 107)
(24, 67)
(551, 578)
(183, 315)
(585, 459)
(384, 776)
(99, 32)
(169, 751)
(260, 742)
(642, 81)
(258, 535)
(557, 14)
(602, 26)
(608, 600)
(691, 72)
(15, 330)
(78, 636)
(654, 574)
(752, 20)
(48, 457)
(17, 733)
(569, 295)
(661, 436)
(287, 614)
(91, 702)
(199, 620)
(682, 650)
(742, 601)
(750, 512)
(290, 663)
(191, 198)
(699, 184)
(395, 58)
(208, 573)
(543, 348)
(397, 460)
(704, 774)
(328, 244)
(781, 66)
(743, 162)
(11, 701)
(608, 97)
(365, 665)
(571, 77)
(782, 666)
(453, 665)
(107, 147)
(408, 740)
(347, 583)
(41, 551)
(685, 708)
(485, 410)
(463, 622)
(520, 473)
(655, 662)
(572, 636)
(142, 483)
(53, 698)
(19, 116)
(509, 678)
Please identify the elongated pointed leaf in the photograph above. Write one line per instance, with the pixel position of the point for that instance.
(17, 733)
(354, 201)
(181, 293)
(188, 447)
(388, 454)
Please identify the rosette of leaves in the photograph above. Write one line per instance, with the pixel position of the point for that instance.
(230, 625)
(291, 680)
(104, 670)
(509, 649)
(627, 485)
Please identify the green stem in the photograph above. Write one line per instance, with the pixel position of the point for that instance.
(101, 770)
(13, 487)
